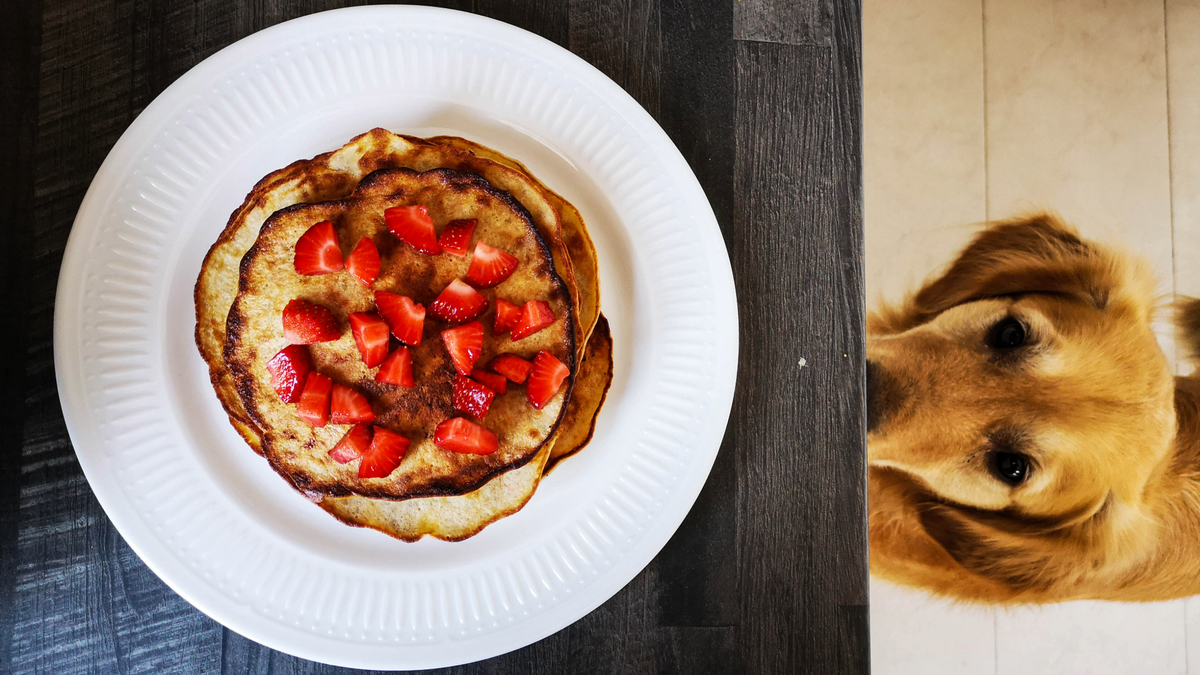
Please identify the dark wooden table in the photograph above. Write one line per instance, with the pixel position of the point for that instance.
(763, 97)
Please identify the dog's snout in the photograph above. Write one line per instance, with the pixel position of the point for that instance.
(877, 395)
(872, 380)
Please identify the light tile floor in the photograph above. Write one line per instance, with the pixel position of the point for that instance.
(977, 110)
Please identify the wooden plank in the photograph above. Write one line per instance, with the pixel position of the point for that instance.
(698, 651)
(797, 418)
(783, 21)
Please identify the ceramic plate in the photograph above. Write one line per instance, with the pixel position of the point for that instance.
(211, 518)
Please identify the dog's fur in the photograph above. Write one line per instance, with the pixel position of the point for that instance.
(1110, 508)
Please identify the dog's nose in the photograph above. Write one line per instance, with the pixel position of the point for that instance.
(873, 402)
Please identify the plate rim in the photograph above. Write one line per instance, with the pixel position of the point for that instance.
(77, 416)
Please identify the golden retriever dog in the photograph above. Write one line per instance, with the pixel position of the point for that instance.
(1027, 440)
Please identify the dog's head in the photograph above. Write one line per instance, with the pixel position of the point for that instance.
(1022, 401)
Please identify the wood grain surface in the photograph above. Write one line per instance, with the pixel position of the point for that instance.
(768, 573)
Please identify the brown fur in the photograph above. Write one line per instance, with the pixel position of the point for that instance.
(1111, 506)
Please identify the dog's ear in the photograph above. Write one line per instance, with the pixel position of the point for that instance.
(1026, 557)
(1035, 254)
(964, 553)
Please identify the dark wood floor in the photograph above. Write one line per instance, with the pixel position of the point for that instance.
(767, 575)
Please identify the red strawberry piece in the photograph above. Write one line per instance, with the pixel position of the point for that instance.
(507, 314)
(318, 250)
(456, 237)
(371, 334)
(353, 444)
(363, 263)
(496, 383)
(413, 226)
(511, 366)
(348, 406)
(464, 344)
(314, 401)
(535, 315)
(471, 397)
(406, 317)
(397, 369)
(462, 435)
(545, 379)
(289, 369)
(458, 302)
(490, 266)
(307, 322)
(383, 455)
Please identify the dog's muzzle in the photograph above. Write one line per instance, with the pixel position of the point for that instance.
(873, 408)
(876, 383)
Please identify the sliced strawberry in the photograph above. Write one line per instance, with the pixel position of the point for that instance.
(496, 383)
(471, 397)
(511, 366)
(464, 344)
(307, 322)
(384, 454)
(463, 435)
(363, 263)
(289, 369)
(348, 406)
(314, 402)
(535, 315)
(318, 250)
(371, 334)
(456, 237)
(413, 226)
(397, 369)
(406, 317)
(490, 266)
(353, 444)
(545, 379)
(458, 302)
(507, 314)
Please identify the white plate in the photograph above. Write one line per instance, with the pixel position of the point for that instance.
(210, 517)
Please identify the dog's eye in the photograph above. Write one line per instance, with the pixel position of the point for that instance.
(1010, 467)
(1007, 334)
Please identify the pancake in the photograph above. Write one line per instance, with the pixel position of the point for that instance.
(267, 283)
(327, 177)
(335, 175)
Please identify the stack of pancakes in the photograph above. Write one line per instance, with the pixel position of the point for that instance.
(247, 278)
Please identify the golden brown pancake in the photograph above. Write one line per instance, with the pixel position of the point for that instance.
(328, 177)
(268, 282)
(333, 176)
